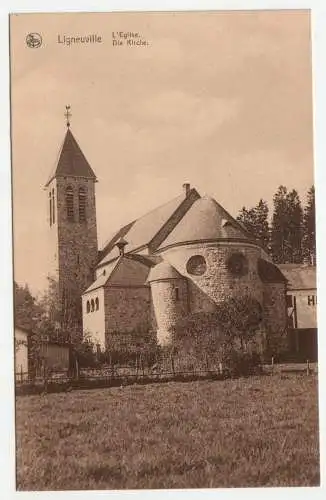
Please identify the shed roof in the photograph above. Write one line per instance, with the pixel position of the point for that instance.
(269, 272)
(299, 276)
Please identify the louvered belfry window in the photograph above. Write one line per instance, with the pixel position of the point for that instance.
(82, 204)
(70, 203)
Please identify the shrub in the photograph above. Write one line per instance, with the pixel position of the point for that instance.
(228, 337)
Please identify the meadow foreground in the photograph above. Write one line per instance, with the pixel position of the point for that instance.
(260, 431)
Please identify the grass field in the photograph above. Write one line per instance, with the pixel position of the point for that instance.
(260, 431)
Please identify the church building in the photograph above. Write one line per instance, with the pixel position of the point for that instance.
(183, 257)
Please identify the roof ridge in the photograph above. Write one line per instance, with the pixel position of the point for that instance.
(53, 171)
(90, 288)
(158, 207)
(192, 191)
(124, 230)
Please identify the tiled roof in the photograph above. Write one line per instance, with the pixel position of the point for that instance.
(299, 276)
(127, 270)
(163, 271)
(72, 161)
(103, 278)
(206, 220)
(142, 231)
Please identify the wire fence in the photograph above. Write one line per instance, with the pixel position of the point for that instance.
(112, 375)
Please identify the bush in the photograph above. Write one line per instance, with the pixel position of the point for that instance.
(243, 364)
(228, 337)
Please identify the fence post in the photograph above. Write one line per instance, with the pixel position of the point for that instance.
(272, 364)
(206, 361)
(220, 366)
(172, 365)
(21, 373)
(111, 365)
(308, 367)
(45, 375)
(142, 364)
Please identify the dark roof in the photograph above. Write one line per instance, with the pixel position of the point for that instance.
(269, 272)
(206, 220)
(299, 276)
(72, 161)
(141, 232)
(127, 270)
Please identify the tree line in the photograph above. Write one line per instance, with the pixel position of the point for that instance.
(289, 236)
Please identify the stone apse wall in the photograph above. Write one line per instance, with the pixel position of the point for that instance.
(213, 275)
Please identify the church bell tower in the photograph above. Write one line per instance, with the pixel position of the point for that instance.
(71, 220)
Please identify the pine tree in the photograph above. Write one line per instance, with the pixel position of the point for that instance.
(286, 232)
(261, 215)
(255, 221)
(278, 230)
(247, 218)
(295, 224)
(309, 229)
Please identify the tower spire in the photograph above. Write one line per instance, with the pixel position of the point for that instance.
(68, 115)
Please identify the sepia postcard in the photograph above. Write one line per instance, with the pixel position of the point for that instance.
(164, 250)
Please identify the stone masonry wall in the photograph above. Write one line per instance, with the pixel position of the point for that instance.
(218, 282)
(170, 301)
(128, 317)
(198, 300)
(77, 241)
(275, 317)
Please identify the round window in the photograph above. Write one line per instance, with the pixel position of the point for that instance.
(238, 264)
(196, 265)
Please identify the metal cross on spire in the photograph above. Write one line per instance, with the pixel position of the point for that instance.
(67, 115)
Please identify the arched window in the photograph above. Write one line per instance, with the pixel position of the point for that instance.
(50, 202)
(70, 203)
(92, 305)
(88, 307)
(82, 204)
(97, 304)
(53, 207)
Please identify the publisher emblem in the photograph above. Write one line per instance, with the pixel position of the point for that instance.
(34, 40)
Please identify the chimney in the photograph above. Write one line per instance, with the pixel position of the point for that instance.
(186, 188)
(121, 245)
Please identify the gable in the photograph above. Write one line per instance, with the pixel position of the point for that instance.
(150, 229)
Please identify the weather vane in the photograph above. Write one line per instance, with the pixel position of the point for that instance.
(68, 115)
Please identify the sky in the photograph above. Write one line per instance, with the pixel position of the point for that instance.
(222, 100)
